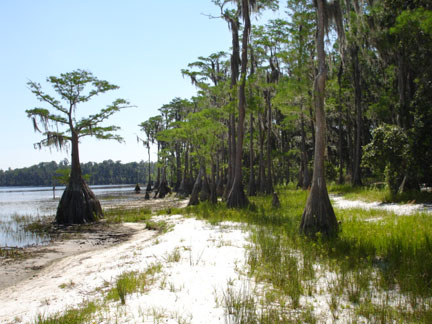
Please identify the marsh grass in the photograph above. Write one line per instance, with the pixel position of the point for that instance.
(378, 259)
(133, 281)
(19, 230)
(12, 253)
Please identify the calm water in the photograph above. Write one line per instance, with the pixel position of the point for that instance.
(22, 205)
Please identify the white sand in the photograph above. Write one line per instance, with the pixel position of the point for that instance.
(188, 290)
(399, 209)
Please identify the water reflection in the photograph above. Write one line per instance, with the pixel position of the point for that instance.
(20, 206)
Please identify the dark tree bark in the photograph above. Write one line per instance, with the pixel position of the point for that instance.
(220, 175)
(185, 188)
(350, 151)
(235, 62)
(231, 155)
(163, 188)
(157, 184)
(340, 132)
(237, 197)
(304, 182)
(78, 203)
(318, 215)
(194, 198)
(149, 186)
(251, 185)
(178, 168)
(269, 180)
(213, 193)
(261, 170)
(275, 201)
(356, 180)
(205, 188)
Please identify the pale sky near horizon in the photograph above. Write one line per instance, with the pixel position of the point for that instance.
(139, 45)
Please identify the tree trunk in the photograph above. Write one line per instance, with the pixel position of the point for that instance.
(185, 187)
(237, 197)
(252, 185)
(356, 180)
(261, 170)
(149, 186)
(178, 168)
(269, 181)
(350, 150)
(231, 155)
(194, 199)
(318, 215)
(213, 193)
(158, 170)
(78, 203)
(341, 178)
(304, 173)
(235, 62)
(205, 188)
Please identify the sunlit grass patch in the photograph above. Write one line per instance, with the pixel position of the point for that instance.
(364, 193)
(133, 281)
(379, 193)
(159, 226)
(79, 315)
(120, 215)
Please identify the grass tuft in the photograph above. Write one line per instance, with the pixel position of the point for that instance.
(79, 315)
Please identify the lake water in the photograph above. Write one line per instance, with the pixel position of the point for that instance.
(22, 205)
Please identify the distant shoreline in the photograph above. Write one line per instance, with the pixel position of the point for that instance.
(45, 188)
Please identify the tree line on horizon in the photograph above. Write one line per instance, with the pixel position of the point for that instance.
(338, 90)
(104, 173)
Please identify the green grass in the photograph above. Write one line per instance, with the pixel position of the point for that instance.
(379, 193)
(364, 193)
(133, 281)
(376, 253)
(123, 215)
(78, 315)
(127, 283)
(381, 263)
(159, 226)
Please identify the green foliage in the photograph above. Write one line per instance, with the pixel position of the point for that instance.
(411, 21)
(388, 152)
(73, 88)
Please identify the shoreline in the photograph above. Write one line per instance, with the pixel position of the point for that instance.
(197, 260)
(36, 258)
(75, 240)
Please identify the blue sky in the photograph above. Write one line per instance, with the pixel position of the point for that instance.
(139, 45)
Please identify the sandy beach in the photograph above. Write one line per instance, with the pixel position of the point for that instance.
(67, 273)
